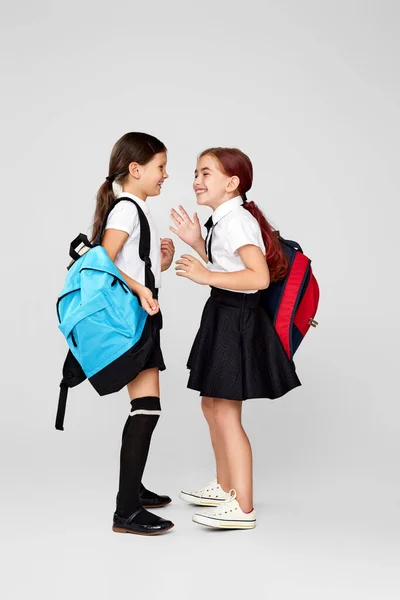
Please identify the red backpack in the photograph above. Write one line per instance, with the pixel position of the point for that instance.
(292, 302)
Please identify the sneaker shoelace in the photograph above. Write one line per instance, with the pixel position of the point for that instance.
(232, 496)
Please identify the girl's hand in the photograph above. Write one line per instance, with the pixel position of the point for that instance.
(167, 253)
(187, 230)
(149, 304)
(191, 268)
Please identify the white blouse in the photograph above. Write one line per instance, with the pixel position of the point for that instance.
(233, 227)
(125, 218)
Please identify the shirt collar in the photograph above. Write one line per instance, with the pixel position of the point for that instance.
(142, 203)
(225, 208)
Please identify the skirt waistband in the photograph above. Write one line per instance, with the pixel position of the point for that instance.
(235, 299)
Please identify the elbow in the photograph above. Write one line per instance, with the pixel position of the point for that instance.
(260, 280)
(264, 282)
(265, 277)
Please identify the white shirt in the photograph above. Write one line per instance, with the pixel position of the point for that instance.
(125, 218)
(233, 227)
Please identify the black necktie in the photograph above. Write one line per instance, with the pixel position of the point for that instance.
(210, 227)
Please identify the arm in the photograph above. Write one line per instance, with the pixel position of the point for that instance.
(113, 240)
(200, 248)
(254, 277)
(189, 231)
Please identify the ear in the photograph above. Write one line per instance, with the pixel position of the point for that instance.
(134, 170)
(233, 184)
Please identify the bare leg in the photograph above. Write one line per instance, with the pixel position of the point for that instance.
(147, 383)
(207, 405)
(237, 449)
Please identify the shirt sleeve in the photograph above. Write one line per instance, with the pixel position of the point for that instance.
(242, 233)
(123, 217)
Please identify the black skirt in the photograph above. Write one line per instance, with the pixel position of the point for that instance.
(155, 360)
(154, 324)
(237, 353)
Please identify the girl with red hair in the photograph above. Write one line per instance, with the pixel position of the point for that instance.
(237, 353)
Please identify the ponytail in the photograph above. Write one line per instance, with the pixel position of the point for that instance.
(105, 197)
(277, 260)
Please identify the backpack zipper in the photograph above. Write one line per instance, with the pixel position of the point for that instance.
(123, 283)
(116, 280)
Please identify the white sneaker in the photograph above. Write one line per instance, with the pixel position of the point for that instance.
(228, 515)
(210, 494)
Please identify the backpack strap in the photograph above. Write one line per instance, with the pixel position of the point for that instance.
(290, 243)
(72, 375)
(144, 242)
(79, 244)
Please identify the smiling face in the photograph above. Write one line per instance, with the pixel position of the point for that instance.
(153, 174)
(211, 185)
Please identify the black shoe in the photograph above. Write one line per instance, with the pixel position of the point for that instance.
(141, 522)
(151, 499)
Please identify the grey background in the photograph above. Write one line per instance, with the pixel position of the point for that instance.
(310, 90)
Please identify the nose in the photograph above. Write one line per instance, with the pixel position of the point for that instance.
(166, 175)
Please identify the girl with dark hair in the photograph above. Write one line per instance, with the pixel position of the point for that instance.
(137, 170)
(237, 353)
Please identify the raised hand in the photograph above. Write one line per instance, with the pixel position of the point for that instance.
(188, 230)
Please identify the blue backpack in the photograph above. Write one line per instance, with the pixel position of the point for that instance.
(108, 332)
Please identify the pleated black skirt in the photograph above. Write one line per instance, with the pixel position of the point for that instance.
(155, 359)
(237, 353)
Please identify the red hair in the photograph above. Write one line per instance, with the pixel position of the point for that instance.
(234, 162)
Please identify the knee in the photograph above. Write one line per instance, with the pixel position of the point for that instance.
(223, 414)
(145, 412)
(145, 405)
(207, 406)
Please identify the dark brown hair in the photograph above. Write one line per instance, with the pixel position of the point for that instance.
(132, 147)
(234, 162)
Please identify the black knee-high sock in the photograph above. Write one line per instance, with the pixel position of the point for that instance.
(136, 439)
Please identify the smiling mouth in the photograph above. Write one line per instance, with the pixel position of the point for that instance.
(198, 192)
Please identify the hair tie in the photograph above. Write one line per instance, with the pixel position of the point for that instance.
(114, 176)
(244, 197)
